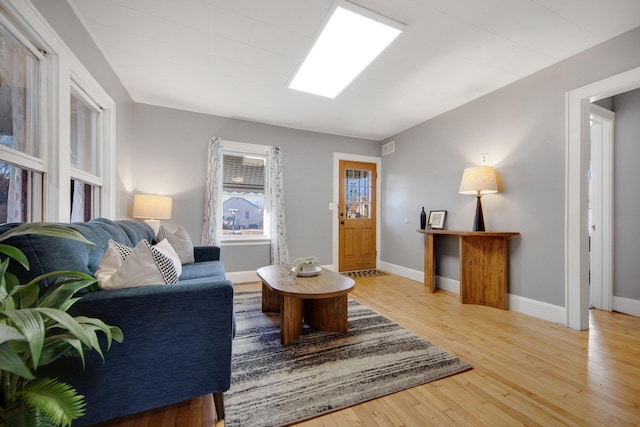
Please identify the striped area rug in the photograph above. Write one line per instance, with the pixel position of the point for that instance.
(322, 372)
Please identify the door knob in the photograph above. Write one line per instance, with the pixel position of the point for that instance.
(341, 222)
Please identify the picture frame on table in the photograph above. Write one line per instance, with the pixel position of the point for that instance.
(437, 219)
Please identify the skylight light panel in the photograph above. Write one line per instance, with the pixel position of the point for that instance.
(350, 40)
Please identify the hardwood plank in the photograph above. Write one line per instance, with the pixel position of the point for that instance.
(525, 371)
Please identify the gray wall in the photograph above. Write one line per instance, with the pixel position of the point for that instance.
(170, 159)
(522, 128)
(626, 238)
(64, 21)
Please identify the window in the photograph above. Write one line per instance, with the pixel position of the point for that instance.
(85, 120)
(244, 201)
(21, 168)
(75, 180)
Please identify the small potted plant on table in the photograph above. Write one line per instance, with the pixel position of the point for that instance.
(306, 265)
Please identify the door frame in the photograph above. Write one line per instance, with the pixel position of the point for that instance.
(601, 254)
(578, 150)
(336, 196)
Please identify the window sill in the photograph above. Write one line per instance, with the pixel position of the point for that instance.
(246, 241)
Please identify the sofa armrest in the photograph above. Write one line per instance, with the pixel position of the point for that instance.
(177, 345)
(206, 253)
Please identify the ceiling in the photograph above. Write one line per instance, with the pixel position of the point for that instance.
(234, 58)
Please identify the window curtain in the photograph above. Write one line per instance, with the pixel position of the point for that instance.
(278, 233)
(212, 223)
(77, 201)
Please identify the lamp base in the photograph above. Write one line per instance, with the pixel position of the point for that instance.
(478, 221)
(154, 223)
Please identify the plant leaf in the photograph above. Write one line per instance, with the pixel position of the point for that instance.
(15, 253)
(66, 321)
(27, 295)
(46, 229)
(112, 332)
(30, 323)
(61, 345)
(61, 296)
(10, 361)
(9, 333)
(56, 399)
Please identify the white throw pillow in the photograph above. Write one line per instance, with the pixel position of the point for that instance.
(124, 267)
(180, 241)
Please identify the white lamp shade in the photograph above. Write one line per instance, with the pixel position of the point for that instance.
(152, 206)
(478, 180)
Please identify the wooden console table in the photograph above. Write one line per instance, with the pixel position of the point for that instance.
(483, 265)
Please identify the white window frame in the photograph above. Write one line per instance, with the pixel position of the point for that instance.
(95, 180)
(25, 161)
(240, 149)
(59, 69)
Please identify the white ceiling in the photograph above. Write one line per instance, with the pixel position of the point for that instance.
(234, 58)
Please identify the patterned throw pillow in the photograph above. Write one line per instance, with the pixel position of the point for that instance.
(180, 241)
(125, 267)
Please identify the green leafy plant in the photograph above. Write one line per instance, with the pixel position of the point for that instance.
(310, 260)
(35, 330)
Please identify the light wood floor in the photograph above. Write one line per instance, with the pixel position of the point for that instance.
(525, 371)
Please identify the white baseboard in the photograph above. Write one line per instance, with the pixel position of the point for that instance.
(447, 284)
(541, 310)
(409, 273)
(418, 276)
(626, 306)
(243, 276)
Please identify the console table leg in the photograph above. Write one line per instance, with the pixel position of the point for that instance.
(429, 263)
(483, 271)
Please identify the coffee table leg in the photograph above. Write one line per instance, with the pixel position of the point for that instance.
(290, 319)
(327, 314)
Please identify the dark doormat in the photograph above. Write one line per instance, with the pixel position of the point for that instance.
(364, 273)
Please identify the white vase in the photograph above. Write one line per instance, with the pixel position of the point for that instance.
(307, 268)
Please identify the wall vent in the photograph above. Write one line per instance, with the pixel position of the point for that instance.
(388, 148)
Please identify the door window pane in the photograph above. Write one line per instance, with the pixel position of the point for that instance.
(19, 95)
(358, 192)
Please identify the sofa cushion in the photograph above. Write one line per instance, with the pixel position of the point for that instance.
(180, 241)
(202, 269)
(126, 267)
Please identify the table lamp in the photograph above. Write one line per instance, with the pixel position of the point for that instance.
(478, 180)
(153, 208)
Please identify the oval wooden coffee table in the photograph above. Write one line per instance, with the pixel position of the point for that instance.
(320, 300)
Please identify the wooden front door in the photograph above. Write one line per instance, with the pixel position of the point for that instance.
(357, 216)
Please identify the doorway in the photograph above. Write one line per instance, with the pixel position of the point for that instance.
(356, 212)
(601, 208)
(576, 218)
(357, 216)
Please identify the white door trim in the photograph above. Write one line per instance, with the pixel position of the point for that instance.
(602, 166)
(336, 196)
(576, 190)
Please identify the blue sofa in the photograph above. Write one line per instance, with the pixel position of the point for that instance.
(177, 338)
